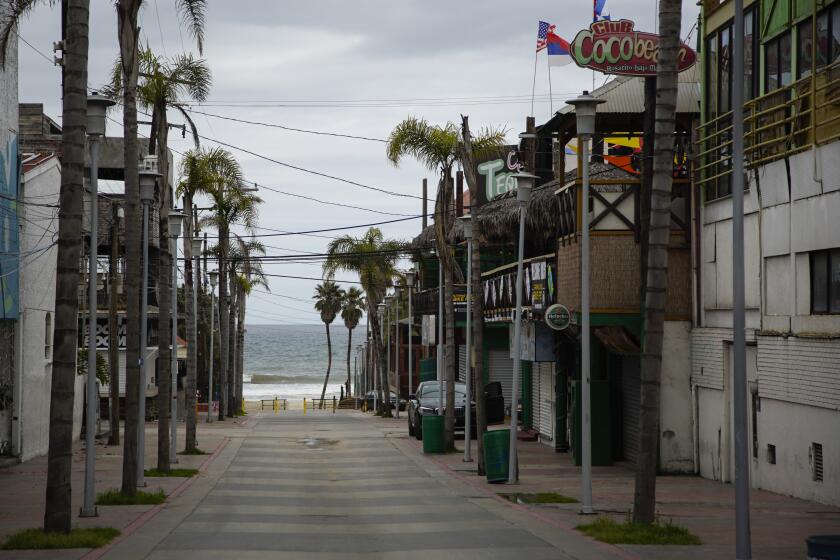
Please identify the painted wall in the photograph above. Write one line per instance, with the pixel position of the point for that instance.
(38, 276)
(676, 428)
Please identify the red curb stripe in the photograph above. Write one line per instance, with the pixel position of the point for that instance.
(558, 524)
(147, 515)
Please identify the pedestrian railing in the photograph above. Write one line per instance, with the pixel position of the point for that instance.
(317, 404)
(275, 404)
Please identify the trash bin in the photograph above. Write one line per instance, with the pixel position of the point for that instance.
(496, 455)
(823, 547)
(432, 434)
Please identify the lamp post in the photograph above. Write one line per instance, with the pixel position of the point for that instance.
(148, 179)
(409, 284)
(97, 105)
(214, 279)
(389, 302)
(441, 359)
(466, 222)
(382, 378)
(196, 245)
(176, 219)
(524, 184)
(585, 108)
(397, 293)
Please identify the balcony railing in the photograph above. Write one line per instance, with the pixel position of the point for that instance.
(778, 124)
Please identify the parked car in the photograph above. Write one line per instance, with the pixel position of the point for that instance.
(371, 397)
(426, 400)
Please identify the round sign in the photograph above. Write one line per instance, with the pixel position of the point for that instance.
(558, 317)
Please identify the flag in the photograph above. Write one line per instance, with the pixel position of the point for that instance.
(598, 10)
(558, 49)
(542, 34)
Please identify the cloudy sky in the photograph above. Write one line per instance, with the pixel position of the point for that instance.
(354, 68)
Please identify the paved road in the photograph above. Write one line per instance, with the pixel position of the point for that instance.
(333, 486)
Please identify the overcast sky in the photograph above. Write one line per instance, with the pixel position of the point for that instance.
(345, 67)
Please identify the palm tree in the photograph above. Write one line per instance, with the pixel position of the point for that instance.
(644, 503)
(352, 309)
(328, 299)
(437, 147)
(128, 33)
(231, 205)
(374, 259)
(165, 83)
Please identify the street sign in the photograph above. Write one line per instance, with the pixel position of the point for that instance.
(614, 47)
(558, 317)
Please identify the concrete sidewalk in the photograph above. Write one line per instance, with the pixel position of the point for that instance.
(23, 486)
(779, 524)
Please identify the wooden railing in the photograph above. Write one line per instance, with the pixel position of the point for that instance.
(778, 124)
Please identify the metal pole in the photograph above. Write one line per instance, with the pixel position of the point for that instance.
(410, 344)
(513, 472)
(173, 414)
(388, 356)
(144, 301)
(586, 420)
(468, 376)
(397, 360)
(441, 361)
(196, 285)
(742, 462)
(210, 369)
(89, 508)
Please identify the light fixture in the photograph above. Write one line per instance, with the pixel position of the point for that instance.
(409, 278)
(97, 107)
(148, 180)
(586, 107)
(196, 245)
(466, 223)
(524, 185)
(214, 278)
(176, 220)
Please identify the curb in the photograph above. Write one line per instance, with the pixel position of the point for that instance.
(148, 515)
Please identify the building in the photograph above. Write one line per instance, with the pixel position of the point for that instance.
(792, 245)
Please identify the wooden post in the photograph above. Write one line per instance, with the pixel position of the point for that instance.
(425, 203)
(459, 193)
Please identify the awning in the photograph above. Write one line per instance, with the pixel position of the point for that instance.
(618, 341)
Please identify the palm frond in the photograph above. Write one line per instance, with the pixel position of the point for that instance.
(11, 16)
(193, 16)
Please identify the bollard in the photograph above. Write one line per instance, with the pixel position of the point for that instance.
(304, 406)
(333, 404)
(275, 405)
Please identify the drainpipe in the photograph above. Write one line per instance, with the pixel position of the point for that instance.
(695, 413)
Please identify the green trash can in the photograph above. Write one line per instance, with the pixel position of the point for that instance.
(432, 434)
(496, 455)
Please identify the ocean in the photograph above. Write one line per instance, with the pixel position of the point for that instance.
(290, 361)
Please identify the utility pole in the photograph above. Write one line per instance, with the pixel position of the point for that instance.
(113, 326)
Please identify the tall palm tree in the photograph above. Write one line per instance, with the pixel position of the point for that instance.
(352, 309)
(328, 298)
(128, 33)
(231, 205)
(644, 503)
(374, 259)
(436, 147)
(165, 84)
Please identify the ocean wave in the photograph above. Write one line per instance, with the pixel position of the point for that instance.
(270, 379)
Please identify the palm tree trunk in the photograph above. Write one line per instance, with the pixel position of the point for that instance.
(113, 329)
(349, 348)
(329, 364)
(231, 318)
(240, 347)
(164, 376)
(451, 360)
(128, 36)
(224, 309)
(379, 349)
(192, 346)
(644, 507)
(58, 515)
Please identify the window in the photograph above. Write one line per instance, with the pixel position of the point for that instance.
(825, 281)
(771, 453)
(805, 49)
(47, 336)
(750, 38)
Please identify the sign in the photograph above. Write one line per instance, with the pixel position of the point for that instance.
(495, 174)
(558, 317)
(614, 47)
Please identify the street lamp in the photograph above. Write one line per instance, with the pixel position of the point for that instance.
(409, 284)
(148, 180)
(380, 308)
(214, 279)
(176, 219)
(389, 303)
(586, 107)
(397, 291)
(524, 185)
(466, 222)
(97, 105)
(195, 245)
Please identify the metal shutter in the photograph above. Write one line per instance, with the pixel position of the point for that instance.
(535, 396)
(462, 363)
(631, 407)
(500, 368)
(546, 403)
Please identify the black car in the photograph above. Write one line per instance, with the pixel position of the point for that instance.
(372, 397)
(426, 400)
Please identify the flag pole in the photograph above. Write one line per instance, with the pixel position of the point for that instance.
(534, 84)
(550, 94)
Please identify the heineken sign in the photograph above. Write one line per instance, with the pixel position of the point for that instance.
(614, 47)
(558, 317)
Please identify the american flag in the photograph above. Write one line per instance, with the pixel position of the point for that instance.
(542, 34)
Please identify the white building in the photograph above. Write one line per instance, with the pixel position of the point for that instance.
(792, 247)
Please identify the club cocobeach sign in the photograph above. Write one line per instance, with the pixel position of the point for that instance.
(613, 47)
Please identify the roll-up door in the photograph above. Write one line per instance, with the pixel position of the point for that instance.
(631, 407)
(546, 402)
(500, 368)
(535, 396)
(462, 363)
